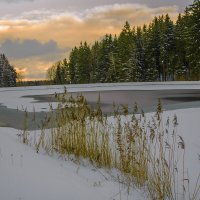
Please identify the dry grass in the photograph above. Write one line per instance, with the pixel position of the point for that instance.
(147, 151)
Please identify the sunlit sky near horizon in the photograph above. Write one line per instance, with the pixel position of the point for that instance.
(34, 34)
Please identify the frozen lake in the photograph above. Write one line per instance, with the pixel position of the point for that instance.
(173, 95)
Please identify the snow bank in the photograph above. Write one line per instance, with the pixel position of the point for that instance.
(26, 175)
(29, 176)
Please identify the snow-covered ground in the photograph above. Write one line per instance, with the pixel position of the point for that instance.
(189, 130)
(26, 175)
(12, 97)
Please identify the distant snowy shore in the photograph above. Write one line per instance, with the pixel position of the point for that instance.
(113, 86)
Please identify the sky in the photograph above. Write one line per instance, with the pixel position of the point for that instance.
(34, 34)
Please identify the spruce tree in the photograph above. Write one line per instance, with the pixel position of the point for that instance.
(168, 49)
(194, 40)
(182, 63)
(83, 68)
(140, 57)
(8, 74)
(126, 47)
(73, 60)
(106, 48)
(95, 59)
(154, 71)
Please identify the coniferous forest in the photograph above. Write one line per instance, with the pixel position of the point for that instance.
(163, 50)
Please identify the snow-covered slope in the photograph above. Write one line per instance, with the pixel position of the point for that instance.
(29, 176)
(26, 175)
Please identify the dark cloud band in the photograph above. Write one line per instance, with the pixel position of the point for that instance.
(14, 1)
(18, 49)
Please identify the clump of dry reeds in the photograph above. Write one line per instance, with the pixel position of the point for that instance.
(143, 148)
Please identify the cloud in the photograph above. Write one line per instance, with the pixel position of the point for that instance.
(136, 14)
(51, 31)
(35, 68)
(32, 69)
(18, 49)
(69, 28)
(14, 1)
(32, 57)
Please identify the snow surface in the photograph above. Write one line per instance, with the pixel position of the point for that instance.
(189, 129)
(13, 97)
(26, 175)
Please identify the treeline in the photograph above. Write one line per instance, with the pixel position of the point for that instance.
(8, 74)
(33, 83)
(161, 51)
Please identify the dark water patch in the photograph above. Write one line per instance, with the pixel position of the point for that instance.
(183, 99)
(15, 118)
(147, 100)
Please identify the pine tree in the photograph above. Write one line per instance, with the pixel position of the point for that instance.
(58, 76)
(140, 57)
(95, 57)
(106, 48)
(168, 49)
(8, 74)
(194, 40)
(126, 48)
(113, 74)
(83, 68)
(153, 51)
(182, 63)
(73, 59)
(65, 71)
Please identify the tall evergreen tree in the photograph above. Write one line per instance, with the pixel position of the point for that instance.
(154, 51)
(141, 63)
(182, 63)
(83, 69)
(95, 59)
(73, 60)
(126, 48)
(194, 40)
(8, 74)
(168, 49)
(106, 48)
